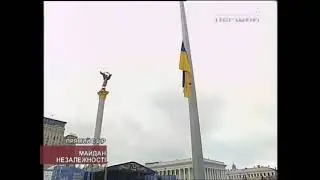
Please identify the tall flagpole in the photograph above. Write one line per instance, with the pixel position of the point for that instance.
(197, 156)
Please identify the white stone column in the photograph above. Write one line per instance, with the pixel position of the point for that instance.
(213, 171)
(189, 174)
(218, 171)
(211, 174)
(223, 174)
(222, 177)
(182, 174)
(175, 172)
(216, 174)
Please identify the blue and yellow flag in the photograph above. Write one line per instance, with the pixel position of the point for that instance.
(186, 72)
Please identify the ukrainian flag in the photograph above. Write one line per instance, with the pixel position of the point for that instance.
(186, 72)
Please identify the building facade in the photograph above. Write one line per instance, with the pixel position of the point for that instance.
(53, 131)
(255, 173)
(182, 169)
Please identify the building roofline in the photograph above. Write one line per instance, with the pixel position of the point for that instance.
(254, 169)
(55, 120)
(180, 161)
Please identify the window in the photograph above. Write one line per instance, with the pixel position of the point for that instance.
(264, 174)
(268, 174)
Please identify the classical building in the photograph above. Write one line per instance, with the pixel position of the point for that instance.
(53, 134)
(53, 131)
(182, 169)
(255, 173)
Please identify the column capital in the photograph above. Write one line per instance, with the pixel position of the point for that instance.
(103, 93)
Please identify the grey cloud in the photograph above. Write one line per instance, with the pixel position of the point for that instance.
(244, 153)
(268, 111)
(176, 106)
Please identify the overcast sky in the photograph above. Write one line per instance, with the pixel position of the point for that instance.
(146, 116)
